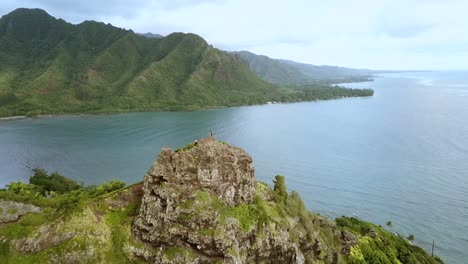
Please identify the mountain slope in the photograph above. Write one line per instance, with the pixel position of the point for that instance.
(290, 72)
(50, 66)
(271, 70)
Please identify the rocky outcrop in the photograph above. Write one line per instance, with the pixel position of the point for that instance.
(199, 199)
(11, 211)
(45, 236)
(209, 165)
(347, 240)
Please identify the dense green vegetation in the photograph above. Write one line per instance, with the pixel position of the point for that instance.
(48, 66)
(384, 248)
(315, 92)
(279, 187)
(70, 223)
(55, 190)
(53, 182)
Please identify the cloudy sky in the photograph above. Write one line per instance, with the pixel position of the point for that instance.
(376, 34)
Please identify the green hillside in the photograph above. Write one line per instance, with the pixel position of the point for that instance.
(50, 66)
(293, 73)
(272, 70)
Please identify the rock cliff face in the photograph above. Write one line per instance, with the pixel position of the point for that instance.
(224, 171)
(201, 200)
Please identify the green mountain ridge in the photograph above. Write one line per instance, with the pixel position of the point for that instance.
(289, 72)
(50, 66)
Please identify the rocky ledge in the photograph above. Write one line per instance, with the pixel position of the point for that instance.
(11, 211)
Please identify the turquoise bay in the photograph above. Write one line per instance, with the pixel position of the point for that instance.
(401, 155)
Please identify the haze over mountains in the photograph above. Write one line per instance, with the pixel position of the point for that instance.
(150, 35)
(290, 72)
(50, 66)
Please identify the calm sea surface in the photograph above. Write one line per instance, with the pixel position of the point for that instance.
(401, 155)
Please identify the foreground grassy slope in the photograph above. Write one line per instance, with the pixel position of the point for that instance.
(94, 225)
(50, 66)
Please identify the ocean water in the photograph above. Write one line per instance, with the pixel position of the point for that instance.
(400, 156)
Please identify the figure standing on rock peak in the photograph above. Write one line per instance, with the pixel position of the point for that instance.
(211, 133)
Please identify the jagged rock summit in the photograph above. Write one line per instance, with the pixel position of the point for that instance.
(208, 165)
(200, 198)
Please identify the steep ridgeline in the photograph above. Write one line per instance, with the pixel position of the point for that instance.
(293, 73)
(198, 204)
(50, 66)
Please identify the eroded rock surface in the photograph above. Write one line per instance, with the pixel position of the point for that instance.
(11, 211)
(223, 170)
(200, 199)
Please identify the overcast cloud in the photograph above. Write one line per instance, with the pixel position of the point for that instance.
(376, 34)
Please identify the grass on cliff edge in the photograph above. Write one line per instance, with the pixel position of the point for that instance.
(91, 224)
(55, 191)
(386, 247)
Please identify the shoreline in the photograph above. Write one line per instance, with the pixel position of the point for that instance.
(11, 118)
(191, 108)
(117, 112)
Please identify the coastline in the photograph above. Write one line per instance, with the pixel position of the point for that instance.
(11, 118)
(116, 112)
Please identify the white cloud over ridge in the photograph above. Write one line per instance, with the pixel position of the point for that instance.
(377, 34)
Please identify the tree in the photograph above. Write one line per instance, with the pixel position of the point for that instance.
(280, 189)
(54, 182)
